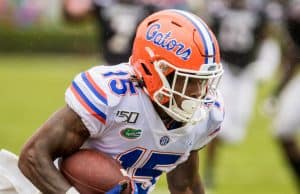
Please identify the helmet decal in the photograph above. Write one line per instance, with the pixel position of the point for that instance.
(205, 35)
(166, 41)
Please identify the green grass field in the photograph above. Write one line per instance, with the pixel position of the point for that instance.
(32, 87)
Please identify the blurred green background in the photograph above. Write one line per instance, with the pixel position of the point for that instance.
(39, 56)
(32, 87)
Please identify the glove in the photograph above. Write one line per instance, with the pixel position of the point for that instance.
(122, 188)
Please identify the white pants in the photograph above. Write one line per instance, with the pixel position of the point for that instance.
(287, 119)
(12, 181)
(239, 91)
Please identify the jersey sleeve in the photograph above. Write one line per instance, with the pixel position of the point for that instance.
(88, 99)
(214, 121)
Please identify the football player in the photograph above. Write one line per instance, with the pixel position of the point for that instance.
(286, 121)
(152, 114)
(241, 28)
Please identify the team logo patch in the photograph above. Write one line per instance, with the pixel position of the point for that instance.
(164, 140)
(131, 133)
(166, 41)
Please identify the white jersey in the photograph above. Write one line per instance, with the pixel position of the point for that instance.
(123, 123)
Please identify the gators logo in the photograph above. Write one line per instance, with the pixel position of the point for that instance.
(166, 41)
(131, 133)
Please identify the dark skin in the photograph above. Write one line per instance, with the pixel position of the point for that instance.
(63, 134)
(185, 179)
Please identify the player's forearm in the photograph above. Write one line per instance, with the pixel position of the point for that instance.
(198, 188)
(187, 186)
(40, 170)
(62, 134)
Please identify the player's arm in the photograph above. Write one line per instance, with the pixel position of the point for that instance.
(288, 68)
(62, 134)
(185, 178)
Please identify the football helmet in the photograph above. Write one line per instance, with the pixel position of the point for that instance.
(173, 45)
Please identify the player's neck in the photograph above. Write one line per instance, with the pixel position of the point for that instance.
(168, 121)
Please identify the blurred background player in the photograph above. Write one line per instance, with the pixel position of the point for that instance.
(116, 21)
(249, 54)
(286, 95)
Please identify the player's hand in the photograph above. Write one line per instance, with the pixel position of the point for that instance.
(121, 188)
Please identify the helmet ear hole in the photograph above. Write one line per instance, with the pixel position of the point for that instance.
(147, 71)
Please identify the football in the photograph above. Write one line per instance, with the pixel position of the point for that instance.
(92, 172)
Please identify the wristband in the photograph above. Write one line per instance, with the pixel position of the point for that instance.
(72, 190)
